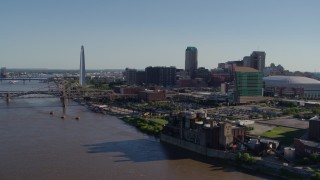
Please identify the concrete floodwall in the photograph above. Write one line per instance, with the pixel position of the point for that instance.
(196, 148)
(184, 144)
(273, 168)
(220, 154)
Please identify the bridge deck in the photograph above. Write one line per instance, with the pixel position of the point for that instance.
(23, 78)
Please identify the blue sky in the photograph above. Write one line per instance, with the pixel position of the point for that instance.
(140, 33)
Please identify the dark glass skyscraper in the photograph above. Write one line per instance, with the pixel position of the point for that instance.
(82, 78)
(163, 76)
(191, 63)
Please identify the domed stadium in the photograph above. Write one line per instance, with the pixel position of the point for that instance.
(292, 86)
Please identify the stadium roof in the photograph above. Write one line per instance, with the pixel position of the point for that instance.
(291, 79)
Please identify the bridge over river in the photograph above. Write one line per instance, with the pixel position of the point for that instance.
(24, 79)
(35, 94)
(56, 93)
(60, 88)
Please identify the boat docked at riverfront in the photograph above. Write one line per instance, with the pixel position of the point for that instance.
(12, 82)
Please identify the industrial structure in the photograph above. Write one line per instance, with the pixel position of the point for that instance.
(309, 146)
(197, 128)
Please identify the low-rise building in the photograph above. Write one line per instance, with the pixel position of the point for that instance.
(152, 95)
(306, 148)
(314, 128)
(198, 82)
(128, 89)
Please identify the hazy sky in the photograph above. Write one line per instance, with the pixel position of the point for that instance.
(140, 33)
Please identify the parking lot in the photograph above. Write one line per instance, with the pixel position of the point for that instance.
(260, 128)
(286, 122)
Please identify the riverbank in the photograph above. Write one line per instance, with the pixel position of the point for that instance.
(154, 127)
(259, 165)
(36, 145)
(106, 109)
(149, 126)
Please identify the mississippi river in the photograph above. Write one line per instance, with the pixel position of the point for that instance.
(37, 145)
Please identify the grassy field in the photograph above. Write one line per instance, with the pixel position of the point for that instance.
(149, 126)
(159, 121)
(283, 134)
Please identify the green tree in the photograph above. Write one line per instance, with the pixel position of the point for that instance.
(314, 157)
(316, 175)
(264, 116)
(305, 160)
(246, 157)
(238, 157)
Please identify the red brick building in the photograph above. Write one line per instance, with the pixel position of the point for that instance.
(153, 95)
(128, 89)
(191, 83)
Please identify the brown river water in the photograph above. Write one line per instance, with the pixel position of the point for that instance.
(37, 145)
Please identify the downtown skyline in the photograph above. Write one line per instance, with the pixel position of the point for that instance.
(120, 34)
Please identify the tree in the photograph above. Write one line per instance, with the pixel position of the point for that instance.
(314, 157)
(264, 116)
(238, 156)
(316, 175)
(246, 157)
(280, 68)
(305, 160)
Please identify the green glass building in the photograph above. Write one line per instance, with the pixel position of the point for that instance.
(248, 84)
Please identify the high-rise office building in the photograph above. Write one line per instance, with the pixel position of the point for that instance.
(163, 76)
(140, 77)
(256, 60)
(247, 61)
(130, 75)
(203, 73)
(248, 84)
(3, 73)
(191, 61)
(82, 78)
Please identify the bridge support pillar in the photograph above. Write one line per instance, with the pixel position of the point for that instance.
(8, 97)
(64, 101)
